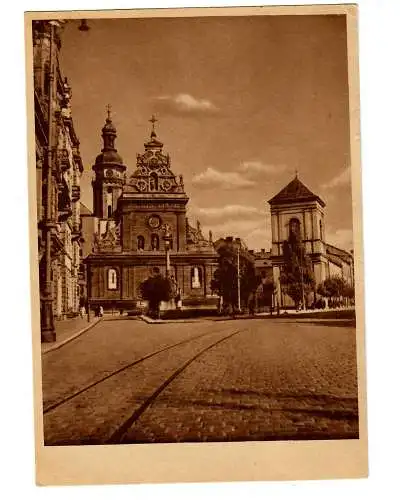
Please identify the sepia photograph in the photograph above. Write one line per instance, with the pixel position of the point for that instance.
(196, 244)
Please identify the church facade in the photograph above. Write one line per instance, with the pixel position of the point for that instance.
(297, 209)
(139, 223)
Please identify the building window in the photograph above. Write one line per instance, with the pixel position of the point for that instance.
(294, 227)
(320, 230)
(155, 242)
(109, 201)
(112, 279)
(196, 277)
(140, 243)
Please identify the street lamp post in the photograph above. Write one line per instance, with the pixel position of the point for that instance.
(167, 239)
(238, 276)
(302, 278)
(88, 289)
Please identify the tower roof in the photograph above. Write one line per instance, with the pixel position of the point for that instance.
(109, 153)
(295, 192)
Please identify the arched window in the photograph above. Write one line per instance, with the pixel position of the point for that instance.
(155, 242)
(153, 182)
(112, 279)
(140, 242)
(109, 201)
(294, 227)
(196, 277)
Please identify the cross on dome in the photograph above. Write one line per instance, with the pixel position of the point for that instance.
(108, 109)
(153, 120)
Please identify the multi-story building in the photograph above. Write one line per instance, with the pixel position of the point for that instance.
(58, 172)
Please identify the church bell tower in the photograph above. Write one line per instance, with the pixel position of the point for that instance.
(109, 173)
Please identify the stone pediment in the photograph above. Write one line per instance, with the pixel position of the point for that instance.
(153, 172)
(154, 175)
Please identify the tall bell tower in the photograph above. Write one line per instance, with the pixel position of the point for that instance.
(297, 209)
(109, 173)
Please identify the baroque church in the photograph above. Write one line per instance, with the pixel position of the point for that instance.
(139, 223)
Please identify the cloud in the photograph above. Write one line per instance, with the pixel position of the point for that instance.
(212, 178)
(342, 179)
(253, 232)
(184, 105)
(341, 238)
(258, 167)
(259, 238)
(236, 211)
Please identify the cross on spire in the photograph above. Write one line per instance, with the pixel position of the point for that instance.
(153, 120)
(108, 108)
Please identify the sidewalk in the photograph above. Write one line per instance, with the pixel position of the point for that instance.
(149, 320)
(67, 330)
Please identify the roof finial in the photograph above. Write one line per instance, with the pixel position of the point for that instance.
(296, 173)
(108, 109)
(153, 120)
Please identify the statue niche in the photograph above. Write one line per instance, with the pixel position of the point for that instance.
(153, 182)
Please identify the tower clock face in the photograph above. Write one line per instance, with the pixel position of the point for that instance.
(154, 221)
(109, 173)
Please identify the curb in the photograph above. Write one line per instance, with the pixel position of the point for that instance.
(151, 321)
(73, 337)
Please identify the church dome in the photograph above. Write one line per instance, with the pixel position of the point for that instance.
(109, 153)
(109, 156)
(109, 127)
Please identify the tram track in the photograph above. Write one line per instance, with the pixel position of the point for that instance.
(104, 411)
(53, 406)
(118, 434)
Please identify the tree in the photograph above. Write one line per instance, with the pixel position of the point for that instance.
(348, 292)
(156, 289)
(335, 288)
(225, 280)
(265, 290)
(297, 275)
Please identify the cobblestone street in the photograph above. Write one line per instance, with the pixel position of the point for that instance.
(255, 379)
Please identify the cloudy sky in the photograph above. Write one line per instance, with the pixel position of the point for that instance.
(243, 103)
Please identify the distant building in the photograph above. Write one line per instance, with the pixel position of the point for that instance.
(295, 208)
(263, 263)
(58, 173)
(134, 217)
(341, 263)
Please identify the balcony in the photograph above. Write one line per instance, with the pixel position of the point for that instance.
(63, 159)
(57, 244)
(76, 193)
(76, 232)
(77, 158)
(64, 202)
